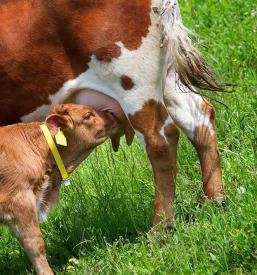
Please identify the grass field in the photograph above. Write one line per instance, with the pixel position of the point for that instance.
(103, 219)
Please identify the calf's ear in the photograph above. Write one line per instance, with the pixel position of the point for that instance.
(59, 121)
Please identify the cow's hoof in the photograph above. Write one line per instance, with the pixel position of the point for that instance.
(219, 199)
(170, 227)
(219, 202)
(162, 227)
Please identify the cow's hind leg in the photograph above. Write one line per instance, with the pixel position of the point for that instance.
(160, 136)
(196, 117)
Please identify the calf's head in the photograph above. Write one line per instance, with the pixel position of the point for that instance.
(83, 126)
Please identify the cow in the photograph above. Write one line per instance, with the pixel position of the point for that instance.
(137, 52)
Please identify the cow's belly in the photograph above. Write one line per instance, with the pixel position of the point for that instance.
(97, 101)
(89, 97)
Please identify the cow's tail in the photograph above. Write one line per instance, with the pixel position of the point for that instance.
(181, 55)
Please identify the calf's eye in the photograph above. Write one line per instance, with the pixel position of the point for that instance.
(88, 115)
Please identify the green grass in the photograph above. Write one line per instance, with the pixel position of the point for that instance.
(103, 219)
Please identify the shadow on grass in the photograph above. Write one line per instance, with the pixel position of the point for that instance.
(79, 224)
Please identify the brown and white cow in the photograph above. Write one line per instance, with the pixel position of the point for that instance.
(137, 52)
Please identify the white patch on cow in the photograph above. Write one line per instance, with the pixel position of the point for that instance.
(166, 123)
(184, 107)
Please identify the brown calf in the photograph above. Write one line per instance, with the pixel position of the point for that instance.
(29, 177)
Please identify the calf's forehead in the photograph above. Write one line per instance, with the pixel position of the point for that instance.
(82, 110)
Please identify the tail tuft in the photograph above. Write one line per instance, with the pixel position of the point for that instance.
(181, 54)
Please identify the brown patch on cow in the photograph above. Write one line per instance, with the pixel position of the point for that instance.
(150, 118)
(206, 145)
(106, 54)
(127, 83)
(88, 27)
(149, 121)
(33, 64)
(54, 43)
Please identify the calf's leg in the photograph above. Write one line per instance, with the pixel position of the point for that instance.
(196, 117)
(24, 224)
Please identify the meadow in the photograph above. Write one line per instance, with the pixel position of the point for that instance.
(102, 222)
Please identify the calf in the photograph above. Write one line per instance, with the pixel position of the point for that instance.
(29, 177)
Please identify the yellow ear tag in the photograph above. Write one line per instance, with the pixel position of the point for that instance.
(60, 138)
